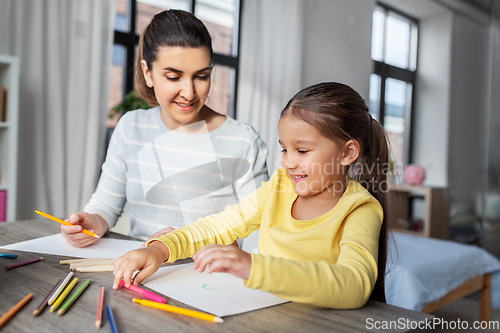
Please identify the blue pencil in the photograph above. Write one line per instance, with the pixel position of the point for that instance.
(5, 255)
(111, 318)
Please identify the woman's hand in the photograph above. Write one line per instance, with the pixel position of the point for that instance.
(226, 259)
(157, 234)
(148, 260)
(82, 220)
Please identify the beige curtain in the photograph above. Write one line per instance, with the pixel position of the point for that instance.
(65, 49)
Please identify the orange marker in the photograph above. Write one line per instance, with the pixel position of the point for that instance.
(55, 219)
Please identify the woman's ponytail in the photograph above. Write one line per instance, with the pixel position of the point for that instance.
(147, 93)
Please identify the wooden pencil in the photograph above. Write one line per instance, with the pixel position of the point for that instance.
(91, 269)
(100, 303)
(22, 263)
(63, 284)
(6, 317)
(6, 255)
(73, 298)
(75, 261)
(90, 263)
(42, 305)
(61, 297)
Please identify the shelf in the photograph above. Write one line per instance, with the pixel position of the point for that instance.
(9, 78)
(426, 205)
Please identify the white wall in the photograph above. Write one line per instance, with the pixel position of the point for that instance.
(337, 42)
(432, 101)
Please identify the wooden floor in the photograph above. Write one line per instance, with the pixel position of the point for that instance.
(465, 309)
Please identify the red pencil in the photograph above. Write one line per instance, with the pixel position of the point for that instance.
(98, 317)
(23, 263)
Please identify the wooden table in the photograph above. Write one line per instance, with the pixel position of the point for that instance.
(39, 278)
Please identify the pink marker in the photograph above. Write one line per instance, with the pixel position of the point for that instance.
(145, 293)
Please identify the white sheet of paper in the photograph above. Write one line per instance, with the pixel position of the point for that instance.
(57, 245)
(221, 294)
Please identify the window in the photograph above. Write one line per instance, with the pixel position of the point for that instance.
(394, 54)
(222, 19)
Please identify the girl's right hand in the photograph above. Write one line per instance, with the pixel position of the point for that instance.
(82, 220)
(148, 260)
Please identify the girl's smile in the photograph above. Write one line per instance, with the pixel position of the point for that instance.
(297, 179)
(313, 162)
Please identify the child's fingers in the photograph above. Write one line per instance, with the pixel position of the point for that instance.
(143, 274)
(221, 264)
(208, 254)
(128, 271)
(118, 271)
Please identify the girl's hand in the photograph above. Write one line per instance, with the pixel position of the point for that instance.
(157, 234)
(226, 259)
(82, 220)
(148, 260)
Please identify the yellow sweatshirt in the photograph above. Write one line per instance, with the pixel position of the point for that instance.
(329, 261)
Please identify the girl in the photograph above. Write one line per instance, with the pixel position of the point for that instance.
(173, 145)
(322, 236)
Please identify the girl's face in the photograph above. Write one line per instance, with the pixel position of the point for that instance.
(181, 80)
(313, 162)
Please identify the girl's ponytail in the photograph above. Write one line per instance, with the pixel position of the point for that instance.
(375, 176)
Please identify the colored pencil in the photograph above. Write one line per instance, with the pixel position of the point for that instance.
(91, 264)
(73, 298)
(5, 318)
(5, 255)
(42, 305)
(101, 268)
(111, 318)
(100, 303)
(144, 293)
(55, 219)
(76, 261)
(56, 293)
(178, 310)
(63, 295)
(23, 263)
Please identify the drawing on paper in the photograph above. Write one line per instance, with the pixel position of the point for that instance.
(209, 287)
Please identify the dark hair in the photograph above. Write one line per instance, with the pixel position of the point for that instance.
(340, 114)
(168, 28)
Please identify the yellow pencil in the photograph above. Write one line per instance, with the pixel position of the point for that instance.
(55, 219)
(65, 293)
(176, 309)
